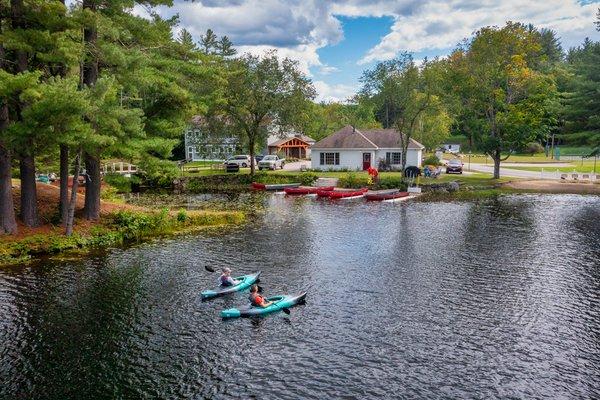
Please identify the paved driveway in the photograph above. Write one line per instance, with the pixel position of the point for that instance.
(296, 165)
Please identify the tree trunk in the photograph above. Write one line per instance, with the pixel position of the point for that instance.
(91, 208)
(496, 158)
(70, 215)
(251, 148)
(89, 77)
(64, 183)
(29, 212)
(8, 223)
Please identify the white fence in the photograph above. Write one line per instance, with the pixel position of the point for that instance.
(571, 176)
(122, 168)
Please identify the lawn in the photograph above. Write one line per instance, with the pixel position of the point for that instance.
(577, 166)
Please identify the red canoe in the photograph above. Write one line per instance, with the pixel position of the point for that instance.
(342, 193)
(374, 196)
(258, 186)
(307, 190)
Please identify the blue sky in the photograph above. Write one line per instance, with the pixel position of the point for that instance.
(335, 40)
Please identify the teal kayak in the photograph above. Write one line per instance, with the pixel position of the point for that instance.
(279, 302)
(245, 282)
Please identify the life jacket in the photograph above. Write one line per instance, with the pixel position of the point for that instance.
(256, 299)
(226, 280)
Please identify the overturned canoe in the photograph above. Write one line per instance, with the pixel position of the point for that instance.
(379, 195)
(277, 186)
(245, 281)
(340, 194)
(279, 303)
(307, 190)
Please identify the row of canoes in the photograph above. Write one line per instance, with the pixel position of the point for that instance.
(331, 192)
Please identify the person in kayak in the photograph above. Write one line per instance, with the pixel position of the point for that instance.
(225, 279)
(256, 299)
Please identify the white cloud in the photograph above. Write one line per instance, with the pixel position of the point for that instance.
(299, 28)
(333, 93)
(440, 25)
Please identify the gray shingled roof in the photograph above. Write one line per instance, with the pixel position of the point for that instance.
(350, 138)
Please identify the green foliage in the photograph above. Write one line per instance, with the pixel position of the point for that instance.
(391, 182)
(352, 180)
(121, 183)
(308, 178)
(182, 215)
(431, 160)
(534, 148)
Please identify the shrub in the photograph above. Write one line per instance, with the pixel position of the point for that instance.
(121, 183)
(351, 180)
(182, 216)
(391, 182)
(308, 178)
(534, 148)
(432, 160)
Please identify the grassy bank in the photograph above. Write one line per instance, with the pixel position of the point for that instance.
(123, 226)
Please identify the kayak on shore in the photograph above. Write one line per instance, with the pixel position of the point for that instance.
(344, 193)
(380, 195)
(302, 190)
(279, 303)
(245, 282)
(277, 186)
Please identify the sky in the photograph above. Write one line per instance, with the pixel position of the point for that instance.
(334, 41)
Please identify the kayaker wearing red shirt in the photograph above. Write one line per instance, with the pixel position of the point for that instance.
(256, 299)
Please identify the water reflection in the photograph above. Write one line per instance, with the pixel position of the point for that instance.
(446, 300)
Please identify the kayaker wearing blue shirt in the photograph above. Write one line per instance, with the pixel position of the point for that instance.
(256, 299)
(225, 279)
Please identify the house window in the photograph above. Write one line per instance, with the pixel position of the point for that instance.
(393, 158)
(190, 152)
(330, 159)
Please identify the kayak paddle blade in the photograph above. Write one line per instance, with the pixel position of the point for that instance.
(286, 310)
(209, 268)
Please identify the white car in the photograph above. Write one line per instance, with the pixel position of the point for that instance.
(271, 162)
(242, 160)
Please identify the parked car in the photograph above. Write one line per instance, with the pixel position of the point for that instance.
(454, 166)
(259, 157)
(271, 162)
(242, 160)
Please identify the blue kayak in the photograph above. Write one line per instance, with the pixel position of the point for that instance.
(245, 282)
(279, 302)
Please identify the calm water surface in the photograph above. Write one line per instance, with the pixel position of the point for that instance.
(499, 299)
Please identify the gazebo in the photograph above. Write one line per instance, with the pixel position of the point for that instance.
(293, 147)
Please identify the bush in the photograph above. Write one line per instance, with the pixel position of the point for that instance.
(391, 182)
(182, 216)
(534, 148)
(308, 178)
(121, 183)
(351, 180)
(432, 160)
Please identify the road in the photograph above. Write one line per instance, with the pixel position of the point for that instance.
(516, 173)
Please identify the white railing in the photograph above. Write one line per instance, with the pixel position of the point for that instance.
(570, 176)
(121, 167)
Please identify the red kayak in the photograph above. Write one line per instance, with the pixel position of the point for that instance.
(307, 190)
(274, 186)
(384, 195)
(342, 193)
(258, 186)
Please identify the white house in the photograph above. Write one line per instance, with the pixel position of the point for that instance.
(350, 148)
(451, 147)
(201, 144)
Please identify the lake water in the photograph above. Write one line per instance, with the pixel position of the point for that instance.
(494, 299)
